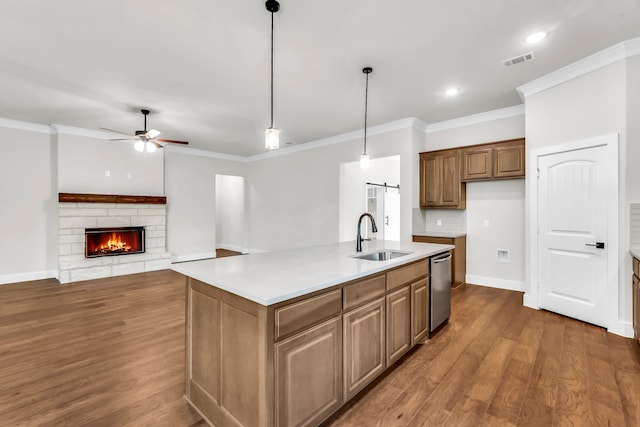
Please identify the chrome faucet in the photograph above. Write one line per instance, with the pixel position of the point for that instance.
(374, 229)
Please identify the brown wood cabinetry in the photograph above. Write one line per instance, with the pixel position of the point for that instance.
(458, 255)
(296, 362)
(419, 310)
(497, 160)
(364, 350)
(309, 375)
(398, 324)
(440, 185)
(636, 299)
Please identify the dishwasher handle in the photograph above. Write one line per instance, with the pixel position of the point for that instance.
(439, 260)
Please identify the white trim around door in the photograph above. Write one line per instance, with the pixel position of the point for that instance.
(610, 141)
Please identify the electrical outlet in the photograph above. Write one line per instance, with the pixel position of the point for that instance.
(107, 173)
(503, 255)
(486, 223)
(439, 223)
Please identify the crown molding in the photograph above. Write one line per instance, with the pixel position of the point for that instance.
(32, 127)
(586, 65)
(204, 153)
(90, 133)
(516, 110)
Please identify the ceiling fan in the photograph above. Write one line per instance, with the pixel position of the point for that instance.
(147, 141)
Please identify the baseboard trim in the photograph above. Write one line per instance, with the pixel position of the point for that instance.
(193, 257)
(492, 282)
(622, 328)
(232, 248)
(5, 279)
(529, 301)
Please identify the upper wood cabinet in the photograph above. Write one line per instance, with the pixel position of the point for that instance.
(498, 160)
(440, 185)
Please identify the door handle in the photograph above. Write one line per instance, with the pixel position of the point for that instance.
(597, 245)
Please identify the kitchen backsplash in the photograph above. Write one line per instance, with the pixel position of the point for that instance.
(635, 224)
(449, 220)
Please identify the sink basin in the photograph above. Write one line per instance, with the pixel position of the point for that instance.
(382, 255)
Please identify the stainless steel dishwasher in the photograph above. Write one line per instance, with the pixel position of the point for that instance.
(440, 295)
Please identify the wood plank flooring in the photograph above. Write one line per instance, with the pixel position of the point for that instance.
(110, 352)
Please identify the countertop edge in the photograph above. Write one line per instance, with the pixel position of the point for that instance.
(183, 269)
(445, 234)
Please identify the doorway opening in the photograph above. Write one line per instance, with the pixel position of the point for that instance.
(362, 190)
(230, 214)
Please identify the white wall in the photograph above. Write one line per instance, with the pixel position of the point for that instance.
(29, 212)
(633, 129)
(500, 202)
(191, 202)
(295, 198)
(495, 220)
(230, 213)
(84, 163)
(591, 105)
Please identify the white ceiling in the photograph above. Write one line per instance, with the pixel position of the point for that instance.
(202, 66)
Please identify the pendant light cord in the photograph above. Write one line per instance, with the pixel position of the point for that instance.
(272, 69)
(366, 97)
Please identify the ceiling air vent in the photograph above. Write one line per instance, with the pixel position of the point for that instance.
(525, 57)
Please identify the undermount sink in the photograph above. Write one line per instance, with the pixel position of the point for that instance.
(382, 255)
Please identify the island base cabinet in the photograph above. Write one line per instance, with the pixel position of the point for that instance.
(309, 375)
(419, 310)
(364, 350)
(398, 324)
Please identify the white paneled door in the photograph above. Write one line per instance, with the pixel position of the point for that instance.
(572, 244)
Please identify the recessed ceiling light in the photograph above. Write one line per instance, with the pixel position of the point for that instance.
(536, 37)
(452, 91)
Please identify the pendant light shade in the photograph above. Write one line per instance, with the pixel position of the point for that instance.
(272, 135)
(364, 158)
(272, 138)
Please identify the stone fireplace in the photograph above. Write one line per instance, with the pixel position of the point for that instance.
(110, 235)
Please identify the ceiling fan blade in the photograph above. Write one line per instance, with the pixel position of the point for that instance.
(131, 138)
(116, 131)
(153, 133)
(172, 141)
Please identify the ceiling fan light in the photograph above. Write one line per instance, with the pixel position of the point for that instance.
(151, 147)
(365, 162)
(272, 138)
(139, 146)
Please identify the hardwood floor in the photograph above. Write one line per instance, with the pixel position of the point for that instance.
(110, 352)
(221, 253)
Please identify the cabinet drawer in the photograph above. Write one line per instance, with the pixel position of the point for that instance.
(299, 315)
(407, 274)
(636, 267)
(438, 240)
(364, 291)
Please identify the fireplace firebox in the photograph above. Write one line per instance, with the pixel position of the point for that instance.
(113, 241)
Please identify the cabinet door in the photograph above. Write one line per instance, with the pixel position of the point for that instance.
(450, 175)
(398, 324)
(429, 180)
(477, 164)
(419, 310)
(309, 375)
(509, 161)
(364, 351)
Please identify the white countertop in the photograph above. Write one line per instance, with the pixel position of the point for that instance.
(272, 277)
(635, 251)
(448, 234)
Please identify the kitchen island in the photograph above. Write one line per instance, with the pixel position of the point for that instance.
(286, 338)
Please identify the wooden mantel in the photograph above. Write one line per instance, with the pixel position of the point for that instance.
(110, 198)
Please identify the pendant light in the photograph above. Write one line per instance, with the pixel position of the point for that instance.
(272, 135)
(364, 158)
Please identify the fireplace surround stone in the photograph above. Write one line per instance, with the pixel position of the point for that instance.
(74, 218)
